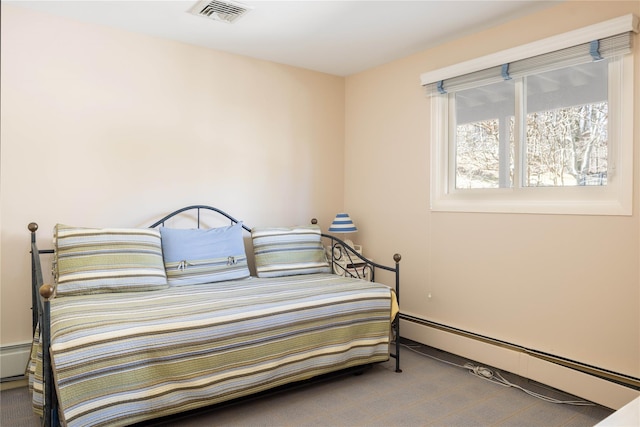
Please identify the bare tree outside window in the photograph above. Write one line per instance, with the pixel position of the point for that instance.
(564, 147)
(478, 155)
(567, 146)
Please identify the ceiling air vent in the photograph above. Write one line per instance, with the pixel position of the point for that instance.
(219, 10)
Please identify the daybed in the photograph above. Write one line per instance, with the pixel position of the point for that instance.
(145, 323)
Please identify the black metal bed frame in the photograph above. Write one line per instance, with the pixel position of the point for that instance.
(345, 261)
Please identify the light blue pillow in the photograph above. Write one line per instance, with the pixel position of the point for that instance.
(197, 256)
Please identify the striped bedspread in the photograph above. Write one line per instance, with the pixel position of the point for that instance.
(120, 358)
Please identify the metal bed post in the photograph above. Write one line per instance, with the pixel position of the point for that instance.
(33, 227)
(41, 314)
(50, 413)
(397, 259)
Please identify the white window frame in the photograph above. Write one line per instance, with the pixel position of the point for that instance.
(616, 198)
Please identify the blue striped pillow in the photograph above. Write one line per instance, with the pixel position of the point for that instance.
(197, 256)
(98, 260)
(286, 251)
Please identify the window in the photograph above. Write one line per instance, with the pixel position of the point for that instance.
(550, 133)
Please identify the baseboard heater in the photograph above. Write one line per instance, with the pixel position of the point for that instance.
(618, 378)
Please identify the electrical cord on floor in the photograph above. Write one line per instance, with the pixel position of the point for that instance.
(496, 378)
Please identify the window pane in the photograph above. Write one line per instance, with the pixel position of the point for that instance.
(484, 122)
(566, 135)
(478, 155)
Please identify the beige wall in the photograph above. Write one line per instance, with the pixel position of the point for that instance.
(102, 127)
(562, 284)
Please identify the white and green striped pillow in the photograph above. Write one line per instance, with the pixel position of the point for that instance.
(99, 260)
(287, 251)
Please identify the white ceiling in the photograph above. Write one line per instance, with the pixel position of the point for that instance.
(331, 36)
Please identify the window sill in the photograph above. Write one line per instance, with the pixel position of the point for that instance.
(562, 201)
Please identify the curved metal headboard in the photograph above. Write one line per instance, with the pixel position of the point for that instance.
(198, 208)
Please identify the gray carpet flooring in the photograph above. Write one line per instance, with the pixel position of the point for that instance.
(428, 392)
